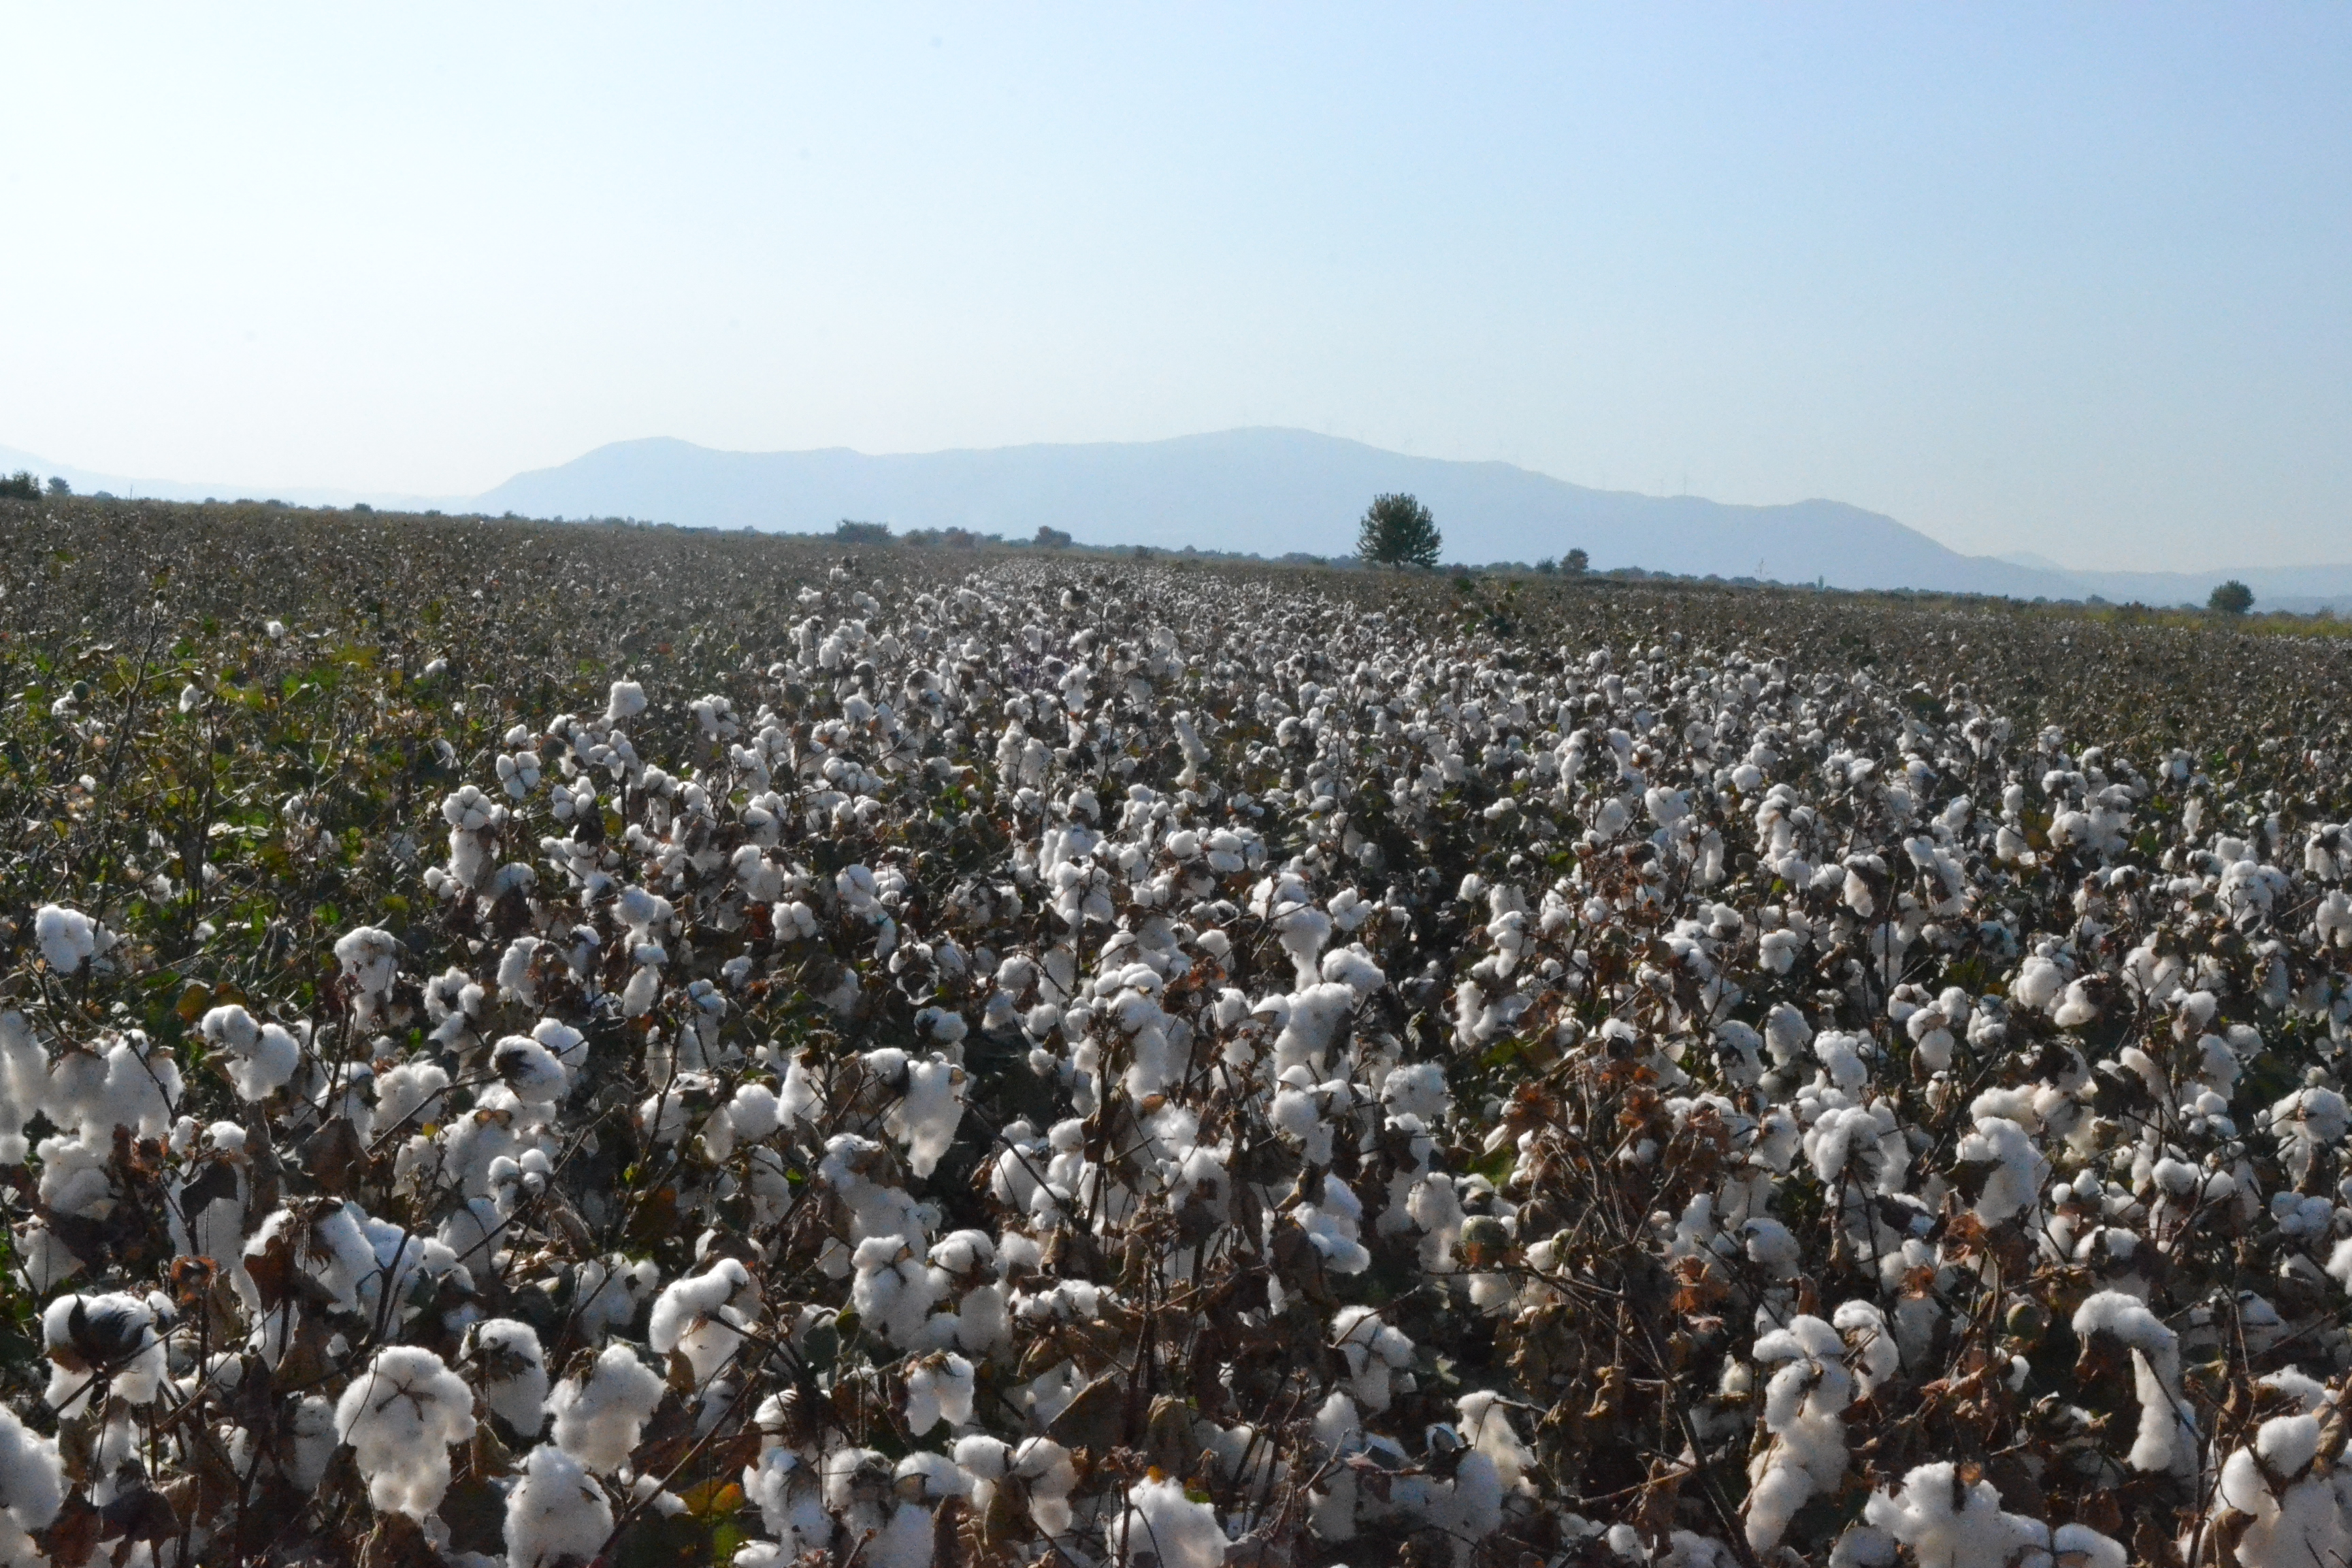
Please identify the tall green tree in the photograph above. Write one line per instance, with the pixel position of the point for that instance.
(1398, 530)
(2232, 598)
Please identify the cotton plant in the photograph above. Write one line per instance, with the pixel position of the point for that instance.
(1015, 1013)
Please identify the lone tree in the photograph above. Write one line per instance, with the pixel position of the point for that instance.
(1576, 564)
(1398, 531)
(2232, 598)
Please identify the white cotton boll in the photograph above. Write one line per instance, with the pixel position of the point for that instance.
(1785, 1034)
(600, 1417)
(1802, 1404)
(410, 1094)
(556, 1512)
(940, 1388)
(2287, 1444)
(1374, 1351)
(370, 959)
(755, 1112)
(1418, 1090)
(68, 938)
(1050, 1474)
(1353, 967)
(105, 1343)
(1952, 1524)
(1332, 1228)
(259, 1058)
(625, 701)
(700, 1317)
(2039, 984)
(637, 997)
(1874, 1353)
(2018, 1170)
(1863, 1546)
(1161, 1520)
(535, 1074)
(514, 970)
(1841, 1059)
(1485, 1420)
(2080, 1546)
(32, 1486)
(1769, 1245)
(514, 1373)
(1312, 1018)
(925, 1117)
(2168, 1429)
(401, 1415)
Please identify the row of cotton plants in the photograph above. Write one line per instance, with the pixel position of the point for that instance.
(1184, 1070)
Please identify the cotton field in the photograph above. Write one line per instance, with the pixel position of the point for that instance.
(540, 1046)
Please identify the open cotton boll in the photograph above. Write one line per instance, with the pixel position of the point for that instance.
(68, 938)
(925, 1119)
(399, 1416)
(600, 1415)
(939, 1388)
(755, 1112)
(2168, 1426)
(1485, 1421)
(32, 1489)
(259, 1058)
(1353, 967)
(1374, 1350)
(2017, 1168)
(1803, 1403)
(535, 1074)
(1162, 1520)
(513, 1372)
(624, 702)
(101, 1344)
(370, 959)
(1953, 1524)
(701, 1316)
(556, 1513)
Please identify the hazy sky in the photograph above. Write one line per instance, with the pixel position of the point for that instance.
(2069, 279)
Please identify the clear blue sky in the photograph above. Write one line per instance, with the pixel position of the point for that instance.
(2069, 279)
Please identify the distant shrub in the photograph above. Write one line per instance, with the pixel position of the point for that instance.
(1052, 538)
(20, 486)
(850, 532)
(57, 487)
(2232, 598)
(1577, 563)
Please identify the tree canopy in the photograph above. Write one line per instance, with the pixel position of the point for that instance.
(1397, 530)
(2232, 598)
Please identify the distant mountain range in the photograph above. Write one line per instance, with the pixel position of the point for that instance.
(1273, 493)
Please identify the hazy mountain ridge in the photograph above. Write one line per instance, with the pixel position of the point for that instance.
(1264, 492)
(1268, 491)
